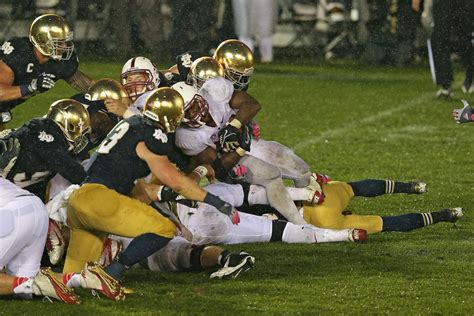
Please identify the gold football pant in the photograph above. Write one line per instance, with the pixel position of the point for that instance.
(329, 213)
(95, 211)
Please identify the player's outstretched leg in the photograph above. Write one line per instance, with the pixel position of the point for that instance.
(412, 221)
(371, 187)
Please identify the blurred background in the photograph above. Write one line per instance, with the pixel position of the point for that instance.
(373, 31)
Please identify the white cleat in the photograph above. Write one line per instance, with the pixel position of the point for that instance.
(55, 244)
(456, 214)
(45, 284)
(235, 265)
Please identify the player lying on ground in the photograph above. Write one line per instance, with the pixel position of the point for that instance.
(332, 212)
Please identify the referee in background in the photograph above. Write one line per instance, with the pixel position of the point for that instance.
(449, 16)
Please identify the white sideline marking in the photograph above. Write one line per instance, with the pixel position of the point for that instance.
(367, 119)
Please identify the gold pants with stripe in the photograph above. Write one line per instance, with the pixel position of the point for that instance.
(329, 213)
(95, 211)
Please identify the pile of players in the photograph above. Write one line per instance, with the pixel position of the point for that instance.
(120, 167)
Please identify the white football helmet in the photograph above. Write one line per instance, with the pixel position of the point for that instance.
(195, 106)
(136, 87)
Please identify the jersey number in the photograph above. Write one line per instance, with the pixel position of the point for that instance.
(113, 137)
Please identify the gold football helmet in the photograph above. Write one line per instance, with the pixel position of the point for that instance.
(237, 60)
(73, 119)
(51, 35)
(165, 106)
(202, 69)
(107, 89)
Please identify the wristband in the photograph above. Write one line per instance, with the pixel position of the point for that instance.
(213, 200)
(201, 171)
(240, 151)
(236, 123)
(25, 91)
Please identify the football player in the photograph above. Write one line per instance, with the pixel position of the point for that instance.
(47, 147)
(32, 65)
(237, 60)
(140, 77)
(332, 212)
(24, 222)
(134, 148)
(205, 124)
(291, 166)
(23, 227)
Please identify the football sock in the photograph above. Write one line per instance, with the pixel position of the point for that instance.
(278, 227)
(141, 247)
(371, 187)
(407, 222)
(72, 279)
(22, 285)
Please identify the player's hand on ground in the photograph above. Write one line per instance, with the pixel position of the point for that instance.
(463, 115)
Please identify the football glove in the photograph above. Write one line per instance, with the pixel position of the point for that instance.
(9, 150)
(166, 194)
(245, 138)
(255, 129)
(223, 207)
(463, 115)
(229, 137)
(238, 172)
(42, 83)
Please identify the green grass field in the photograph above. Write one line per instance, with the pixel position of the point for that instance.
(351, 122)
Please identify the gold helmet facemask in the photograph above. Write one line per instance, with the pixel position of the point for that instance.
(51, 35)
(165, 107)
(237, 60)
(202, 69)
(73, 119)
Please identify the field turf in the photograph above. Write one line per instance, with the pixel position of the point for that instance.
(351, 122)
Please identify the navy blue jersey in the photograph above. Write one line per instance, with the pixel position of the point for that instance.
(18, 54)
(44, 152)
(116, 164)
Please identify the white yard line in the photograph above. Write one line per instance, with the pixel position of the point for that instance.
(420, 99)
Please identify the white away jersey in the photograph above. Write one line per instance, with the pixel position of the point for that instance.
(9, 191)
(217, 92)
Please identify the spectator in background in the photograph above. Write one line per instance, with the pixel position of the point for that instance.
(392, 31)
(256, 20)
(449, 16)
(192, 22)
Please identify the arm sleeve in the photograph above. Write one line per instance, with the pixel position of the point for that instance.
(62, 162)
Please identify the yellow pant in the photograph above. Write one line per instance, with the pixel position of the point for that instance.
(329, 213)
(95, 211)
